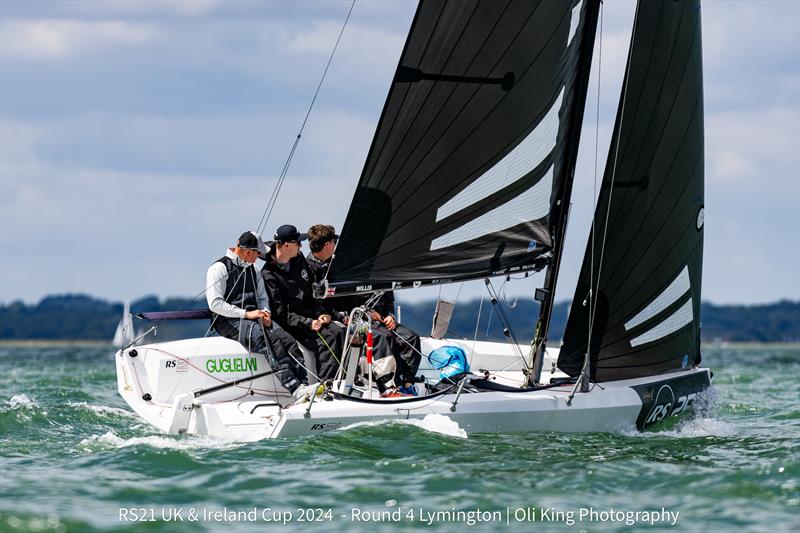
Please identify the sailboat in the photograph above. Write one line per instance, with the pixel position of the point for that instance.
(469, 176)
(124, 332)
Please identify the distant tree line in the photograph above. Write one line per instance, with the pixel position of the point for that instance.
(86, 318)
(78, 316)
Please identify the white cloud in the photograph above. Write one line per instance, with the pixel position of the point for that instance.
(124, 222)
(749, 145)
(116, 153)
(729, 165)
(342, 137)
(335, 140)
(39, 40)
(737, 33)
(320, 36)
(187, 8)
(16, 144)
(365, 53)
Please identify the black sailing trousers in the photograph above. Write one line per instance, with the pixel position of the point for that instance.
(333, 336)
(403, 344)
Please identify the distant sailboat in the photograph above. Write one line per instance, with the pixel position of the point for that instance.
(125, 332)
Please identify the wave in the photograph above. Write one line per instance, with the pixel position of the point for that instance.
(433, 423)
(21, 401)
(19, 409)
(104, 410)
(437, 423)
(704, 421)
(109, 440)
(689, 428)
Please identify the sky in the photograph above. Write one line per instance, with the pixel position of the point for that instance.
(138, 139)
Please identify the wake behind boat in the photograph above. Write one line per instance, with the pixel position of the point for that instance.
(469, 177)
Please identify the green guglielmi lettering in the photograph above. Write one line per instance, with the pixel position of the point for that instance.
(232, 364)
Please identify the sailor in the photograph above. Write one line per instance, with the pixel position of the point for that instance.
(288, 280)
(240, 308)
(390, 337)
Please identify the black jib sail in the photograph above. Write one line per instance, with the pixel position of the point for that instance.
(475, 141)
(642, 277)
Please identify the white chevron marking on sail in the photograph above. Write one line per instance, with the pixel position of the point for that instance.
(676, 321)
(573, 23)
(532, 204)
(670, 295)
(523, 158)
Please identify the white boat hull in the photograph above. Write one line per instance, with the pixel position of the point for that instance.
(158, 381)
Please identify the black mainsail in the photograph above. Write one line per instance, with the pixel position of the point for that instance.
(478, 137)
(641, 273)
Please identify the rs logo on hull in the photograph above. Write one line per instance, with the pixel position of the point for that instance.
(666, 404)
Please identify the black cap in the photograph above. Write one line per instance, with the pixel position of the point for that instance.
(288, 233)
(250, 240)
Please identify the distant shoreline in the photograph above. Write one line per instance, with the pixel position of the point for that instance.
(53, 342)
(76, 318)
(90, 342)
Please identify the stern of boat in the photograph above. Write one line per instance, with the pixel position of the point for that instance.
(164, 383)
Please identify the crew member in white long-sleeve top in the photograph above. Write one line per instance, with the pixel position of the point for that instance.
(240, 311)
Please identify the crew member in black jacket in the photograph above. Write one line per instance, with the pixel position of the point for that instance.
(288, 280)
(391, 338)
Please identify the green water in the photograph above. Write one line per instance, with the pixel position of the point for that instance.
(74, 458)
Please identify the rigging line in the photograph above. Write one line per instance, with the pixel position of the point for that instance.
(475, 336)
(270, 349)
(593, 303)
(329, 348)
(201, 293)
(215, 316)
(276, 191)
(672, 162)
(413, 349)
(510, 337)
(450, 332)
(614, 282)
(300, 363)
(689, 226)
(188, 362)
(596, 160)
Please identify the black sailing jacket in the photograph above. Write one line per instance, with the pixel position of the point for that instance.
(344, 304)
(290, 293)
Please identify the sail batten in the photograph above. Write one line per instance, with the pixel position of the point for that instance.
(526, 156)
(462, 177)
(533, 203)
(668, 296)
(643, 270)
